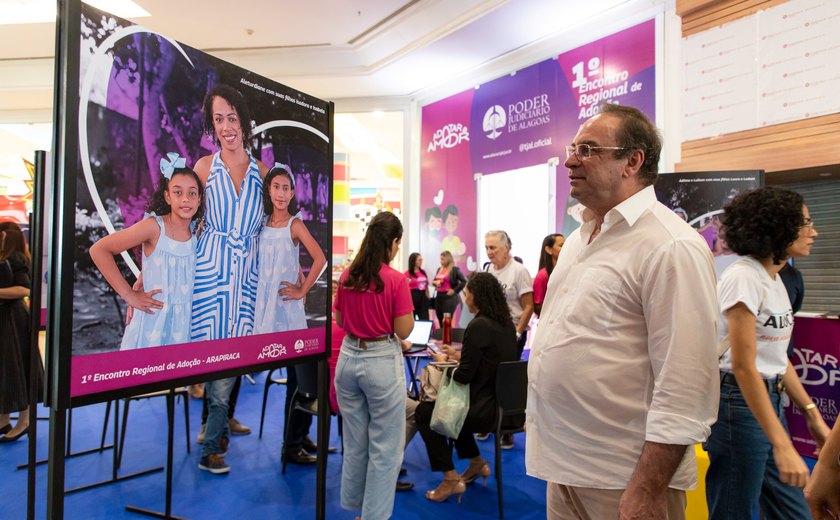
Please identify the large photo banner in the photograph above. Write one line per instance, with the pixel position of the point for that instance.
(699, 198)
(202, 214)
(521, 120)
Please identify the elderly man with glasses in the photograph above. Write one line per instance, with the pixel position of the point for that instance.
(623, 370)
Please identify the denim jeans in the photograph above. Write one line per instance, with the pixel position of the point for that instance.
(742, 471)
(217, 394)
(370, 386)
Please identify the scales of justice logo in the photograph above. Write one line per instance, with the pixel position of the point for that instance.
(494, 119)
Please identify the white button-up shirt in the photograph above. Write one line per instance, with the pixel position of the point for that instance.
(625, 351)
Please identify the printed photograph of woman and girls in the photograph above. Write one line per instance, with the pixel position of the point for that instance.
(214, 183)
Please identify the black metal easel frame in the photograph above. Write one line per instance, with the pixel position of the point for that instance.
(170, 435)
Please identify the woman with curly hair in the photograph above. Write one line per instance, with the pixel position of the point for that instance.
(489, 339)
(752, 457)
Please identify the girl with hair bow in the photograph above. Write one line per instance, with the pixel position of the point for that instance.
(168, 263)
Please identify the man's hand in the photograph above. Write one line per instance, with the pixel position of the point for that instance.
(638, 503)
(646, 496)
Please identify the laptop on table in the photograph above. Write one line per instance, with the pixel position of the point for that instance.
(420, 336)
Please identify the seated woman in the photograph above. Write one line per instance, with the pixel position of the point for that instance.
(489, 339)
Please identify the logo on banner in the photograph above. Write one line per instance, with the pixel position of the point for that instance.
(494, 120)
(449, 136)
(272, 351)
(528, 113)
(815, 368)
(299, 346)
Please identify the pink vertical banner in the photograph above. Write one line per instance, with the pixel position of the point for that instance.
(447, 191)
(816, 358)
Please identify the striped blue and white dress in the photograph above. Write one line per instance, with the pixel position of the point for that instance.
(227, 255)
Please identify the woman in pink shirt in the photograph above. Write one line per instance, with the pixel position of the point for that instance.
(551, 246)
(373, 305)
(449, 281)
(418, 283)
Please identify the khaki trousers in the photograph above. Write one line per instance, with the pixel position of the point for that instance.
(578, 503)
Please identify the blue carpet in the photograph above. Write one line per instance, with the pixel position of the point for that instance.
(254, 487)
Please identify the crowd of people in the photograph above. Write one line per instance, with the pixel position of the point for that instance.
(640, 352)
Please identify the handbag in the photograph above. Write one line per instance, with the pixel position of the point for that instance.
(430, 378)
(451, 407)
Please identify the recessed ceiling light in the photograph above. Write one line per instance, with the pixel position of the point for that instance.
(826, 174)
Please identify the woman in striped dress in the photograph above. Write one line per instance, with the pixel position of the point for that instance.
(225, 289)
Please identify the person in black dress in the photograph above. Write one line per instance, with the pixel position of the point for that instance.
(489, 339)
(15, 354)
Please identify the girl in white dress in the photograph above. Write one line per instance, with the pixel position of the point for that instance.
(279, 293)
(168, 260)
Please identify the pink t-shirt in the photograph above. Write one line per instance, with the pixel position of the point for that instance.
(366, 314)
(418, 282)
(540, 286)
(445, 284)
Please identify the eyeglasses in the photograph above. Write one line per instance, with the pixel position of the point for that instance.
(808, 223)
(584, 151)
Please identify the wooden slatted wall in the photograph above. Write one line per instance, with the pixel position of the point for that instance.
(797, 145)
(699, 15)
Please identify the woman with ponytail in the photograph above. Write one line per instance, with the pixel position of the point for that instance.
(373, 305)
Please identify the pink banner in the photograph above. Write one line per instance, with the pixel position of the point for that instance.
(96, 373)
(447, 192)
(521, 120)
(817, 351)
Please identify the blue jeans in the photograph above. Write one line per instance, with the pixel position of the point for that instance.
(370, 386)
(217, 394)
(742, 471)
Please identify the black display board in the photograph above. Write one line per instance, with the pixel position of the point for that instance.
(699, 198)
(127, 97)
(139, 99)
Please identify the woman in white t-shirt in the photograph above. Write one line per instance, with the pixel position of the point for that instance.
(752, 458)
(516, 282)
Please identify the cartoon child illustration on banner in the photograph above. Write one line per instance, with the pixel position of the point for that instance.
(452, 242)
